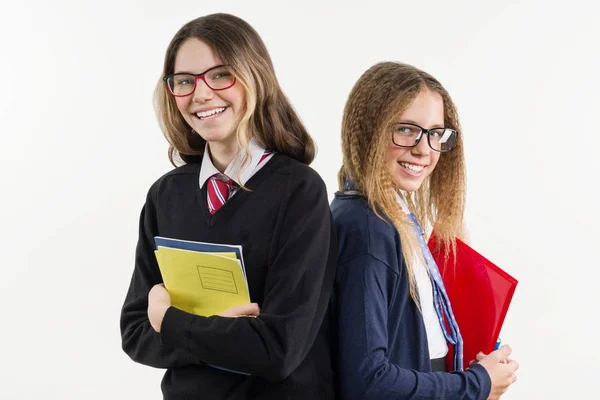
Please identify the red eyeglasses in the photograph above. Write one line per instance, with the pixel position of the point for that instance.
(184, 84)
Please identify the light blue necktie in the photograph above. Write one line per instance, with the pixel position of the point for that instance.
(440, 298)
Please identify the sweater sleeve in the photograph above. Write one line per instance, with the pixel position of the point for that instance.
(298, 286)
(139, 340)
(363, 290)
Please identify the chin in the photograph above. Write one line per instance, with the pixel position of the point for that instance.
(214, 134)
(409, 186)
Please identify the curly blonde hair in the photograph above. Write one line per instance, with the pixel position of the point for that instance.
(268, 114)
(382, 93)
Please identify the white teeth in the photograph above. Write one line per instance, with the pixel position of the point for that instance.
(204, 114)
(412, 167)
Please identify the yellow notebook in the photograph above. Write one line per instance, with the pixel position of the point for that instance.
(202, 283)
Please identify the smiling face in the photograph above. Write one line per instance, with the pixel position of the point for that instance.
(213, 114)
(409, 167)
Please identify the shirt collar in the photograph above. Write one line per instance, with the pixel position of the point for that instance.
(235, 168)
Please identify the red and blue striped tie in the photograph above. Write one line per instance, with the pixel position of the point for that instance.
(218, 191)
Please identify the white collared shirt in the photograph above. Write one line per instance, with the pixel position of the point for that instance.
(208, 169)
(435, 336)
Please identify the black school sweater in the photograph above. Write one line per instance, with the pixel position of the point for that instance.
(290, 251)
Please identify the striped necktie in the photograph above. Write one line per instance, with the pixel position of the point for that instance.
(440, 298)
(219, 191)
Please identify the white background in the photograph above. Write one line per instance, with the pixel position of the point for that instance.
(80, 147)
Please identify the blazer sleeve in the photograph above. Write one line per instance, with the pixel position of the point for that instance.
(142, 343)
(363, 289)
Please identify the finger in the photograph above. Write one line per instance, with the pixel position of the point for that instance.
(253, 310)
(472, 362)
(513, 378)
(245, 309)
(159, 287)
(154, 291)
(514, 364)
(480, 356)
(503, 352)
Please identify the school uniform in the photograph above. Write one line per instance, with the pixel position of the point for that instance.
(284, 225)
(383, 350)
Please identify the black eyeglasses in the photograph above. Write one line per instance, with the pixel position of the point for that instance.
(409, 135)
(184, 84)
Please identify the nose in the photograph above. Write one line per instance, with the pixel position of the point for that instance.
(202, 93)
(422, 148)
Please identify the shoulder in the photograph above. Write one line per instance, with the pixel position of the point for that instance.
(177, 177)
(297, 172)
(361, 232)
(289, 179)
(353, 215)
(183, 170)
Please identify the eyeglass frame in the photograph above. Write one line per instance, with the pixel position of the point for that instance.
(420, 136)
(196, 78)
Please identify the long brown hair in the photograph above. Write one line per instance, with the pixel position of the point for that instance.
(382, 93)
(268, 114)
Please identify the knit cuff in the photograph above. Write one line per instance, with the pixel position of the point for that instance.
(175, 329)
(485, 382)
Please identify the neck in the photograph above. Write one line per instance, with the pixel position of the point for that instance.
(222, 154)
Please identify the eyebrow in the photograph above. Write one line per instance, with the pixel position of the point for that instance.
(201, 73)
(408, 121)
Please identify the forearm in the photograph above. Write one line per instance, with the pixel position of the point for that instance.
(242, 344)
(387, 380)
(271, 345)
(142, 344)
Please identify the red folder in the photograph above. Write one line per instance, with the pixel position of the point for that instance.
(480, 294)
